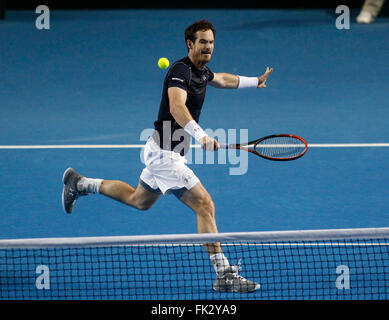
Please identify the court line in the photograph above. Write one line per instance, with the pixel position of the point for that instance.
(135, 146)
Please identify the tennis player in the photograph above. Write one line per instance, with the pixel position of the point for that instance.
(165, 169)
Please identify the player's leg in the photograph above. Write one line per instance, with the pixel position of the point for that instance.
(228, 279)
(140, 197)
(199, 200)
(76, 185)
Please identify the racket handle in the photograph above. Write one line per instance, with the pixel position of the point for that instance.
(223, 146)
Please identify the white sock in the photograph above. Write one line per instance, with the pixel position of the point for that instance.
(219, 262)
(89, 185)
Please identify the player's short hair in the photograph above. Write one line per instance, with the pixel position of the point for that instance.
(202, 25)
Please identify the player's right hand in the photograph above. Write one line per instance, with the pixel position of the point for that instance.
(209, 144)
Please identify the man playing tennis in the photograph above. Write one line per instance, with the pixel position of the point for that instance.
(165, 165)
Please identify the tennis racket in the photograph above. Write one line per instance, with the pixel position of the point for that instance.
(278, 147)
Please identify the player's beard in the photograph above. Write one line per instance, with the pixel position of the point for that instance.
(205, 58)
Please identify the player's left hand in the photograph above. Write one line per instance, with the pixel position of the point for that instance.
(262, 79)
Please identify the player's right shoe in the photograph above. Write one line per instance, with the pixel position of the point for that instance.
(230, 281)
(69, 191)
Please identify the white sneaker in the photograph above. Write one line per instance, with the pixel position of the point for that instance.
(69, 192)
(365, 17)
(230, 281)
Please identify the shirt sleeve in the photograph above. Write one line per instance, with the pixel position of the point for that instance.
(211, 75)
(179, 76)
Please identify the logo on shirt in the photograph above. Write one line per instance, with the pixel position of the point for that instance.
(178, 79)
(204, 78)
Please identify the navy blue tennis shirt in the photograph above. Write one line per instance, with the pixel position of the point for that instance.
(182, 74)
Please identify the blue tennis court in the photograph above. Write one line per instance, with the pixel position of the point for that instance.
(93, 79)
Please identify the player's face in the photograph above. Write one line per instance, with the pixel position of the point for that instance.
(203, 46)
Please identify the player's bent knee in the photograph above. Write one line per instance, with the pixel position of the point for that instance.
(144, 206)
(140, 205)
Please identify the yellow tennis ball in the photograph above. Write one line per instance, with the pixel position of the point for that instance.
(163, 63)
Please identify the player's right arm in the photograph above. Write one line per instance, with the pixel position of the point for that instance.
(180, 113)
(178, 108)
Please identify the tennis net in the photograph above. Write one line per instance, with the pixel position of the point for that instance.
(318, 264)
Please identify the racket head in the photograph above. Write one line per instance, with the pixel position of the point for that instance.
(280, 147)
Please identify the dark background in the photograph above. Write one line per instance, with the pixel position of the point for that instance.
(181, 4)
(87, 4)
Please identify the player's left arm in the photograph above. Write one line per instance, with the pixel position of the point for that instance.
(232, 81)
(224, 81)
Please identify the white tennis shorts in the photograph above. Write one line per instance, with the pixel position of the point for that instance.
(165, 170)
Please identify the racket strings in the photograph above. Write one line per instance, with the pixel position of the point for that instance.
(280, 147)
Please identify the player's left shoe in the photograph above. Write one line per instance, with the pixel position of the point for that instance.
(69, 192)
(230, 281)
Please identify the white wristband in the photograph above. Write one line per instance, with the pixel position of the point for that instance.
(195, 130)
(247, 82)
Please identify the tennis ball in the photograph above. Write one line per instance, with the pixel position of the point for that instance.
(163, 63)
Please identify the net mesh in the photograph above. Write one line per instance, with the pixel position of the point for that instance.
(293, 269)
(281, 147)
